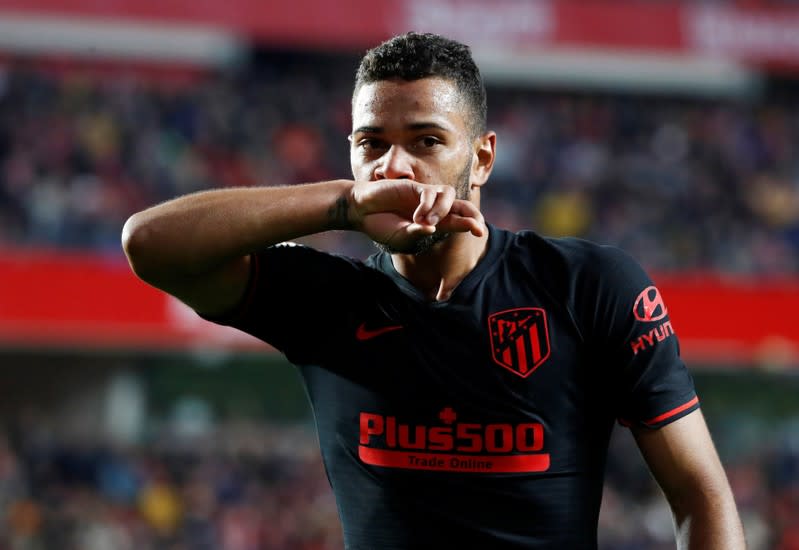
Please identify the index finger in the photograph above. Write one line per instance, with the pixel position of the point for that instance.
(464, 216)
(434, 203)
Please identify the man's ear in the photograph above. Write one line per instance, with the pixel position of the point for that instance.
(484, 155)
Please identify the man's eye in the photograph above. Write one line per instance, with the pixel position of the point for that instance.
(369, 144)
(430, 141)
(427, 142)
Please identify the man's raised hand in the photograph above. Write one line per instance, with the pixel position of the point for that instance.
(398, 212)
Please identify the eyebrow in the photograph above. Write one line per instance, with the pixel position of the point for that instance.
(414, 127)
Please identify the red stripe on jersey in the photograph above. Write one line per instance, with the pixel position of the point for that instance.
(672, 412)
(521, 353)
(409, 460)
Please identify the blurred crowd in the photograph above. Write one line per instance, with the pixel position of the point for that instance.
(681, 183)
(764, 477)
(247, 487)
(244, 487)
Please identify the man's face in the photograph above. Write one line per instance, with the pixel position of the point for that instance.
(417, 130)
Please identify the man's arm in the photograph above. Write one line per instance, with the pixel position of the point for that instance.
(197, 247)
(683, 460)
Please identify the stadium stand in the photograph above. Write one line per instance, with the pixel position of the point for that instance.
(683, 184)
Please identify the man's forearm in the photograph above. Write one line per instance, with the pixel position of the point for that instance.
(713, 524)
(684, 461)
(198, 232)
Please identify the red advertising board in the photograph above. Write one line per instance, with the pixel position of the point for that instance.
(761, 34)
(88, 301)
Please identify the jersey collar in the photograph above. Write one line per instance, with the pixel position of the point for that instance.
(498, 240)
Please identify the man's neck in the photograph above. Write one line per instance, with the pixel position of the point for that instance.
(438, 272)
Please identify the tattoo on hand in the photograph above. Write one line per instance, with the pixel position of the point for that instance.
(338, 213)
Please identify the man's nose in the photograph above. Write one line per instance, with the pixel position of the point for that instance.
(396, 164)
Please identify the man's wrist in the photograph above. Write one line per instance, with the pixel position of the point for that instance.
(341, 214)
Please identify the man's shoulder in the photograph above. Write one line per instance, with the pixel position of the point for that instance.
(576, 266)
(295, 262)
(300, 251)
(574, 252)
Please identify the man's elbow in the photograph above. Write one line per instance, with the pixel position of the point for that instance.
(138, 243)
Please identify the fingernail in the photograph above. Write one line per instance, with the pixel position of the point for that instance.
(432, 219)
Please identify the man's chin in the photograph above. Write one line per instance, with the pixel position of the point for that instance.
(420, 246)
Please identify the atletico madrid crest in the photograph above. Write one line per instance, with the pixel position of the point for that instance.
(519, 339)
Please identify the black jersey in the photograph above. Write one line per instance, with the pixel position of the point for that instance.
(481, 421)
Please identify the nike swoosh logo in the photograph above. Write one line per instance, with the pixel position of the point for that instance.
(364, 333)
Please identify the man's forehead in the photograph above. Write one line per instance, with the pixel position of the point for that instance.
(406, 102)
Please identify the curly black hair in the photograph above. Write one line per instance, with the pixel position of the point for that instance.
(413, 56)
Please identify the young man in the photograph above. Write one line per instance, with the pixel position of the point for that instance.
(465, 380)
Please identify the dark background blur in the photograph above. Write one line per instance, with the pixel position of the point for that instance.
(126, 422)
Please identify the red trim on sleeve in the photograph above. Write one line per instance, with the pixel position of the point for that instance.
(668, 414)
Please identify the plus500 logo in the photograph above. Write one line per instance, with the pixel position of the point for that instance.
(385, 431)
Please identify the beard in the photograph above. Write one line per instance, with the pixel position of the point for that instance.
(427, 242)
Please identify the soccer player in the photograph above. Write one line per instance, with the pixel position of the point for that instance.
(464, 379)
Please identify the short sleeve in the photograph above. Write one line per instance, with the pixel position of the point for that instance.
(638, 342)
(298, 300)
